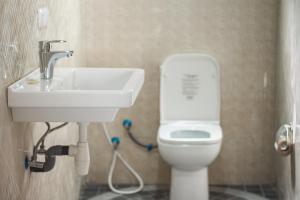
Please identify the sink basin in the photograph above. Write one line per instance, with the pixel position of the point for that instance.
(75, 94)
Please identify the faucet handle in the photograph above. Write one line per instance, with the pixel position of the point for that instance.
(45, 46)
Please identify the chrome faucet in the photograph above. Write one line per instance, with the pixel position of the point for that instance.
(48, 58)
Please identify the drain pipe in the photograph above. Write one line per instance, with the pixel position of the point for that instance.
(50, 157)
(81, 151)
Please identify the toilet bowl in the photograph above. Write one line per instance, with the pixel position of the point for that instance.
(190, 136)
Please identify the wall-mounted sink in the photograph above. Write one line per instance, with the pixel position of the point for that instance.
(75, 94)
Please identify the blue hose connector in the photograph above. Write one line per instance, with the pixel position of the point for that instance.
(127, 123)
(115, 140)
(26, 162)
(149, 147)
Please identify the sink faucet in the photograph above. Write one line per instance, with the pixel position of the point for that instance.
(48, 58)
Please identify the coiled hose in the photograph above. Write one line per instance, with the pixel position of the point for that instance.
(114, 143)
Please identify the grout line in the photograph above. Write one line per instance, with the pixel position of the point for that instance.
(262, 190)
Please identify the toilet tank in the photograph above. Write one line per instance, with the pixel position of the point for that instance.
(189, 88)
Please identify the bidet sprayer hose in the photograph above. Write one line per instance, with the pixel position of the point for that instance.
(116, 155)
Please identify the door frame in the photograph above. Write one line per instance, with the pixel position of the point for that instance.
(296, 91)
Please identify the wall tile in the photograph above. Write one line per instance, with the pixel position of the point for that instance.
(241, 35)
(19, 36)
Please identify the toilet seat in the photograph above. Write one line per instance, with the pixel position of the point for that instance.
(190, 133)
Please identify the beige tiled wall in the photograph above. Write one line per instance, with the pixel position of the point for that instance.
(19, 36)
(241, 35)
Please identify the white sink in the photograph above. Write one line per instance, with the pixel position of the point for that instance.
(75, 94)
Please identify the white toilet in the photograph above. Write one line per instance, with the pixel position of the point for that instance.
(189, 137)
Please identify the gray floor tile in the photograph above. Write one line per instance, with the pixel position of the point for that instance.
(267, 191)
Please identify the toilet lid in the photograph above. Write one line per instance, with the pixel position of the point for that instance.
(190, 133)
(189, 88)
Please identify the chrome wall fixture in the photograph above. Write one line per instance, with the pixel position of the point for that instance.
(284, 143)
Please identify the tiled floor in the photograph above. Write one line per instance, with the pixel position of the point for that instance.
(224, 192)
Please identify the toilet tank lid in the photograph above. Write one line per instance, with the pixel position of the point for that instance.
(190, 88)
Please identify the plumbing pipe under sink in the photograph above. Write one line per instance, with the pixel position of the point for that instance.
(81, 151)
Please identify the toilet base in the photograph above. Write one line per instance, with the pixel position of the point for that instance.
(189, 185)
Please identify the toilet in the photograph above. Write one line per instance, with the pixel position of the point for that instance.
(189, 137)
